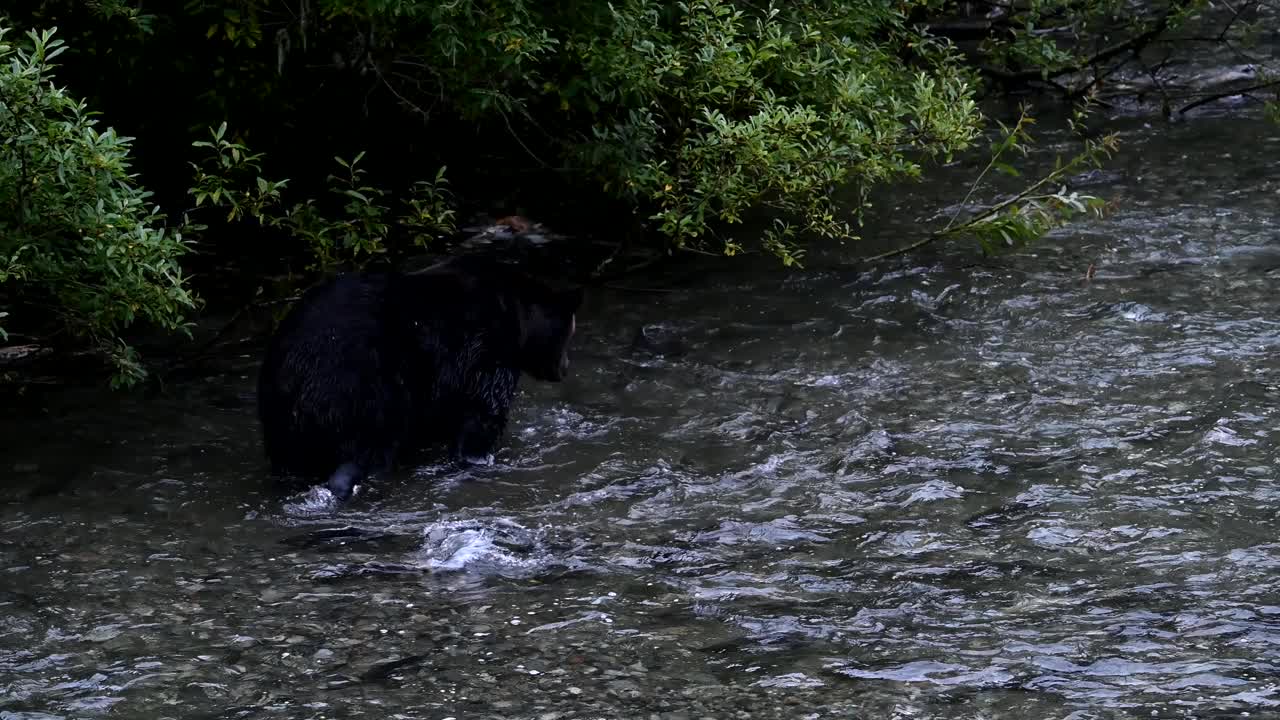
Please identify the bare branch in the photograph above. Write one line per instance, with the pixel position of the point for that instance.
(1228, 93)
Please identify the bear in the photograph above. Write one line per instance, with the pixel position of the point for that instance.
(369, 365)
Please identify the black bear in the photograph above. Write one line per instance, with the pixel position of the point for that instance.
(368, 365)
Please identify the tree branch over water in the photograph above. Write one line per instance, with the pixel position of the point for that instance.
(1133, 45)
(1030, 46)
(1028, 214)
(1229, 93)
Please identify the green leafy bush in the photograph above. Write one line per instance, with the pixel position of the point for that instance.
(691, 117)
(80, 245)
(230, 176)
(695, 113)
(710, 109)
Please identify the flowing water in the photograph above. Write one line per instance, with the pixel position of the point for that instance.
(941, 487)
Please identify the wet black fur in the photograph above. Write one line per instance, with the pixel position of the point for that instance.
(369, 365)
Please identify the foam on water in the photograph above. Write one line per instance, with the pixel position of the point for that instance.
(491, 546)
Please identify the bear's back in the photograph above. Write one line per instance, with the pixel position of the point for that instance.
(346, 309)
(478, 280)
(461, 297)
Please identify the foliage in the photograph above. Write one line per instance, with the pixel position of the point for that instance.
(78, 238)
(693, 115)
(230, 177)
(717, 108)
(1051, 38)
(1119, 51)
(1031, 213)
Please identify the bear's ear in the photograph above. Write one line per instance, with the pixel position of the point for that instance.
(571, 300)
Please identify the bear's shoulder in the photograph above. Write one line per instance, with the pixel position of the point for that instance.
(474, 281)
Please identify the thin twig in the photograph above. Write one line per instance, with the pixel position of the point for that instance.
(603, 279)
(507, 120)
(931, 237)
(412, 105)
(1133, 44)
(1227, 94)
(209, 344)
(1235, 15)
(973, 187)
(1097, 80)
(1025, 194)
(624, 288)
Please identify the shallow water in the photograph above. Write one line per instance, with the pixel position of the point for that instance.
(942, 488)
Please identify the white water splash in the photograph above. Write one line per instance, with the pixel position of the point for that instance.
(491, 545)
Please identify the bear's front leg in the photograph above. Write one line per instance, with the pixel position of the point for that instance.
(478, 437)
(484, 406)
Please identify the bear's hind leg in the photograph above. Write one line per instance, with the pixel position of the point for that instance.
(370, 448)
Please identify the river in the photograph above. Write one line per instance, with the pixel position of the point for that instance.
(940, 487)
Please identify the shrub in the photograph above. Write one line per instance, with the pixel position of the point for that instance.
(694, 113)
(229, 176)
(80, 245)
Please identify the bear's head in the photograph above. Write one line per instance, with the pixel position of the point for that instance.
(547, 325)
